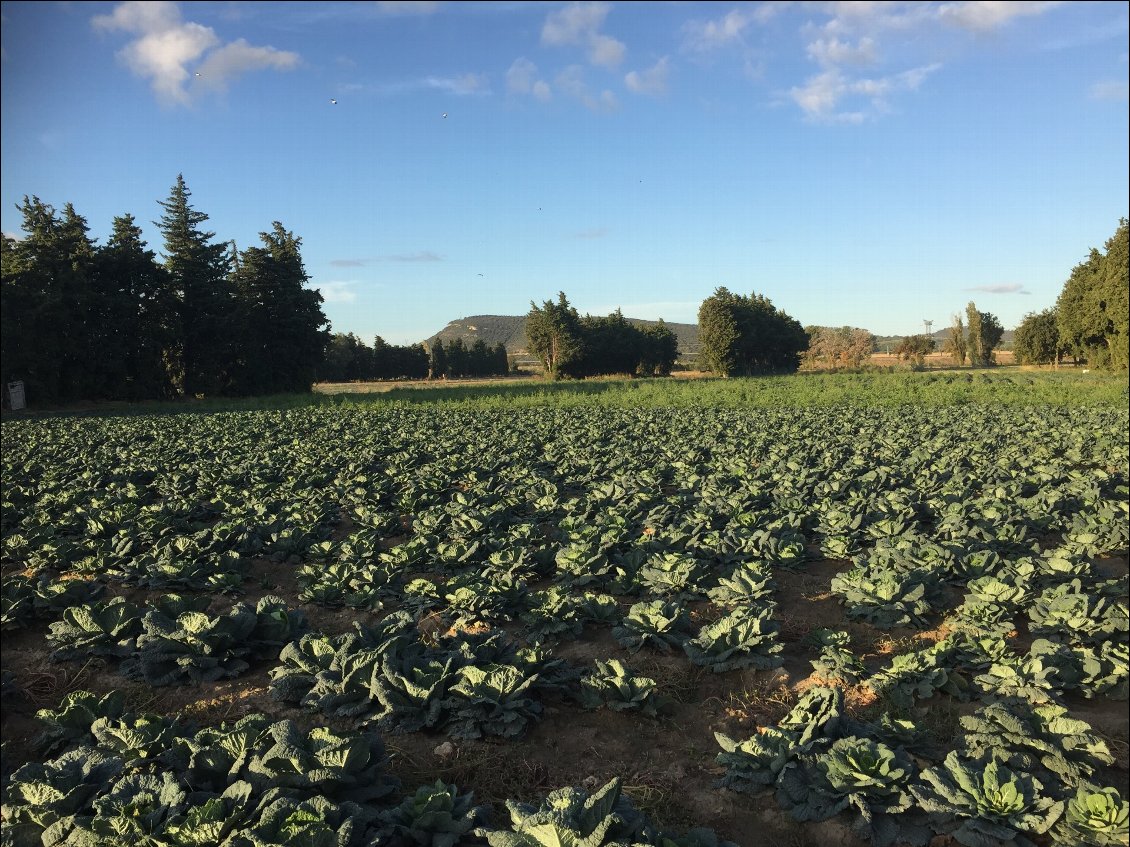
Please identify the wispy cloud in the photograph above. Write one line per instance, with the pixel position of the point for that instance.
(1003, 288)
(821, 95)
(462, 85)
(1110, 89)
(338, 291)
(652, 81)
(594, 232)
(832, 51)
(572, 82)
(522, 78)
(987, 15)
(407, 7)
(580, 24)
(849, 37)
(166, 47)
(347, 263)
(706, 36)
(422, 256)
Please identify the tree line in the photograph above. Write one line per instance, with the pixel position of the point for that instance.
(568, 345)
(79, 321)
(348, 358)
(1090, 321)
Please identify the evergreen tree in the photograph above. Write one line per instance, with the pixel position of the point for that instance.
(479, 358)
(135, 323)
(554, 335)
(1037, 339)
(438, 361)
(456, 359)
(45, 300)
(198, 271)
(1114, 296)
(501, 365)
(660, 349)
(718, 333)
(1093, 312)
(748, 335)
(281, 329)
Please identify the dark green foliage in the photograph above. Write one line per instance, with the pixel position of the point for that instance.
(744, 638)
(1092, 311)
(837, 663)
(71, 722)
(553, 332)
(859, 774)
(283, 335)
(742, 335)
(886, 598)
(569, 345)
(1036, 341)
(435, 816)
(615, 686)
(86, 322)
(1037, 739)
(980, 802)
(1094, 817)
(198, 275)
(100, 629)
(571, 816)
(657, 623)
(757, 762)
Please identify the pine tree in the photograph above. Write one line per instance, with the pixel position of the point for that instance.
(553, 332)
(438, 365)
(135, 325)
(198, 272)
(45, 303)
(282, 333)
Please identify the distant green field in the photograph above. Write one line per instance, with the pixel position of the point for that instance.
(998, 387)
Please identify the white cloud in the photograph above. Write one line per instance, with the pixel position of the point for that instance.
(821, 95)
(238, 57)
(522, 78)
(580, 24)
(572, 82)
(541, 91)
(407, 7)
(167, 46)
(652, 81)
(1110, 89)
(468, 83)
(337, 292)
(835, 52)
(574, 23)
(987, 15)
(705, 36)
(606, 51)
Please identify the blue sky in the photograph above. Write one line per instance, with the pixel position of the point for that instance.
(871, 164)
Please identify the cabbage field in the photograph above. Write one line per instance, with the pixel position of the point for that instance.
(574, 624)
